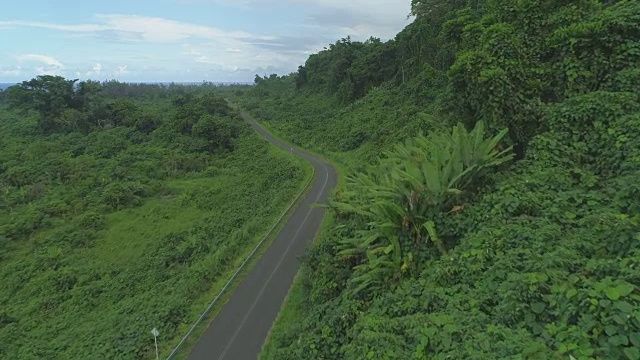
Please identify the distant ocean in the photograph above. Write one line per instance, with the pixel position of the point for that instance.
(3, 86)
(195, 83)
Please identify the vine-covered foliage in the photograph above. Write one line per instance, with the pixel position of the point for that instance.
(126, 217)
(403, 198)
(538, 258)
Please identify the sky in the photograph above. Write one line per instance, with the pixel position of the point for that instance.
(181, 40)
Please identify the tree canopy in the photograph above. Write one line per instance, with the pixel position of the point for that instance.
(425, 258)
(121, 208)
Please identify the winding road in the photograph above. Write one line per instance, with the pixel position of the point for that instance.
(242, 325)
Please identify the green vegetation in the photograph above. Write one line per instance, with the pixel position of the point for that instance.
(516, 240)
(123, 208)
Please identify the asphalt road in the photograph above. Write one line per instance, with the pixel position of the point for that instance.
(241, 327)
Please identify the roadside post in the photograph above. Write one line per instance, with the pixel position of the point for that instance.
(155, 333)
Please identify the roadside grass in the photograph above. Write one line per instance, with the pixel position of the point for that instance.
(338, 160)
(293, 308)
(92, 284)
(200, 304)
(143, 224)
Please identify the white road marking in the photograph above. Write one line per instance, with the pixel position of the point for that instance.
(264, 287)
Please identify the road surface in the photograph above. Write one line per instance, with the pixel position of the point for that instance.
(241, 327)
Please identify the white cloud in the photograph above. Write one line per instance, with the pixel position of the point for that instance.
(120, 70)
(44, 70)
(238, 45)
(95, 70)
(74, 28)
(166, 47)
(47, 65)
(48, 60)
(247, 58)
(382, 11)
(143, 28)
(358, 18)
(16, 71)
(240, 4)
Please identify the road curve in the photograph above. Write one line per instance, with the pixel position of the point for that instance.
(241, 327)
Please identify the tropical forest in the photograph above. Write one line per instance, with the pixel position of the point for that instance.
(488, 205)
(124, 207)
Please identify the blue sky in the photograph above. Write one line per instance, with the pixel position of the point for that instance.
(181, 40)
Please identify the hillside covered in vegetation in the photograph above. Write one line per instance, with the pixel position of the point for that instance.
(124, 207)
(503, 219)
